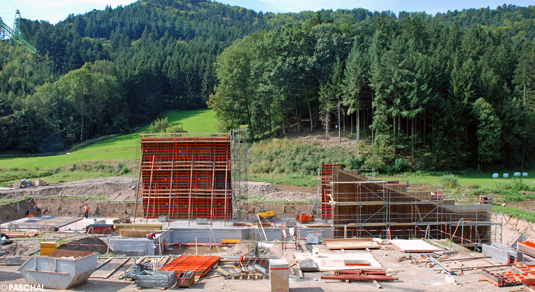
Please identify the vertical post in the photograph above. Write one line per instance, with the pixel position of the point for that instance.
(150, 187)
(169, 212)
(138, 183)
(462, 232)
(190, 188)
(227, 161)
(345, 230)
(213, 187)
(501, 229)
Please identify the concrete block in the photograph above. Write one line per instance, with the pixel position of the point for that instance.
(496, 253)
(514, 254)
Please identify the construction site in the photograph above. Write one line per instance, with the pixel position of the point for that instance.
(192, 219)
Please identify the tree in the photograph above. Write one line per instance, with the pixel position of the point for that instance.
(232, 98)
(489, 131)
(355, 80)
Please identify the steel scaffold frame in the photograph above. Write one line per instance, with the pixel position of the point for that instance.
(240, 189)
(389, 209)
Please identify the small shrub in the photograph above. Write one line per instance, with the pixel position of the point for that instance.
(119, 166)
(159, 126)
(449, 181)
(375, 162)
(56, 170)
(36, 168)
(72, 168)
(356, 162)
(176, 129)
(125, 170)
(401, 165)
(472, 186)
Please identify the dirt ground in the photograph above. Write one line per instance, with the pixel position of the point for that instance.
(86, 243)
(119, 194)
(115, 188)
(412, 277)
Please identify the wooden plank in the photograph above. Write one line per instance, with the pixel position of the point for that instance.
(115, 270)
(377, 284)
(352, 245)
(346, 239)
(164, 260)
(103, 264)
(260, 222)
(414, 246)
(444, 266)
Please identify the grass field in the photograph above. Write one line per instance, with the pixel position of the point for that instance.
(121, 147)
(483, 180)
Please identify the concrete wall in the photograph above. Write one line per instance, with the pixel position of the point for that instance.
(138, 246)
(188, 234)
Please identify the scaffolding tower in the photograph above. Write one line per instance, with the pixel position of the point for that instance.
(366, 207)
(238, 150)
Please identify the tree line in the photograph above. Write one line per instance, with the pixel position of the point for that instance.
(437, 94)
(105, 72)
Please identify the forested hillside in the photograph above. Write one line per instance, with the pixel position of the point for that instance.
(446, 90)
(442, 92)
(141, 59)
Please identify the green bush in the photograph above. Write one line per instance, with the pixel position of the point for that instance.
(401, 165)
(159, 126)
(375, 162)
(125, 170)
(119, 167)
(72, 168)
(176, 129)
(355, 162)
(449, 181)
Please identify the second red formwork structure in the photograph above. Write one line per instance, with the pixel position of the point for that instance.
(186, 177)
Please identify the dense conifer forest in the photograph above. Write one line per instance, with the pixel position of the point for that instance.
(447, 91)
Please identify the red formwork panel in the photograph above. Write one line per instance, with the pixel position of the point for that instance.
(201, 265)
(326, 190)
(186, 177)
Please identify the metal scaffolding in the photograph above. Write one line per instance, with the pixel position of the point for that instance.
(238, 151)
(390, 209)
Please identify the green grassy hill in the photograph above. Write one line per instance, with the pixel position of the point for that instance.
(121, 147)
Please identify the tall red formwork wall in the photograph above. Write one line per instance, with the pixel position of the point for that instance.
(326, 190)
(186, 177)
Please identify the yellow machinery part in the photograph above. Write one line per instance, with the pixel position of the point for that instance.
(266, 214)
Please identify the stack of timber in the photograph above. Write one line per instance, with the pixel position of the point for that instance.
(360, 275)
(351, 243)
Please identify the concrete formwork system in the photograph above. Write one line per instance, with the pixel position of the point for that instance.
(186, 176)
(389, 209)
(326, 189)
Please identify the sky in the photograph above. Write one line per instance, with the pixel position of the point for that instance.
(54, 11)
